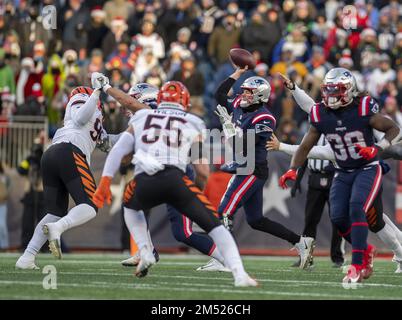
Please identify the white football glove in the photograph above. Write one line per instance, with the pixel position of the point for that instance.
(229, 128)
(100, 81)
(147, 162)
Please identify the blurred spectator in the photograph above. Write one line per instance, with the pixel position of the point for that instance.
(4, 193)
(317, 67)
(145, 63)
(117, 8)
(391, 110)
(97, 29)
(156, 76)
(396, 51)
(115, 118)
(296, 41)
(386, 33)
(174, 19)
(60, 100)
(194, 82)
(380, 76)
(222, 39)
(261, 70)
(320, 29)
(181, 45)
(117, 33)
(74, 18)
(256, 36)
(208, 19)
(175, 57)
(70, 64)
(7, 104)
(7, 81)
(28, 82)
(399, 86)
(304, 13)
(122, 57)
(366, 52)
(95, 64)
(334, 50)
(39, 57)
(288, 61)
(52, 82)
(30, 30)
(12, 50)
(117, 79)
(149, 40)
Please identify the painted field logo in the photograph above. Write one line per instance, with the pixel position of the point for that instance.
(50, 280)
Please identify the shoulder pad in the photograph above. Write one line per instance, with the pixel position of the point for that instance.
(368, 106)
(236, 102)
(262, 117)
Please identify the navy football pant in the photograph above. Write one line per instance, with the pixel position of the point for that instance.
(352, 195)
(247, 192)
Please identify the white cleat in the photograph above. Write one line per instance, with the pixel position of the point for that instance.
(26, 264)
(399, 264)
(305, 248)
(53, 236)
(245, 281)
(132, 261)
(146, 262)
(214, 265)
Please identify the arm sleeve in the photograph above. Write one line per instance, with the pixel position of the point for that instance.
(113, 138)
(124, 146)
(317, 152)
(221, 94)
(303, 99)
(82, 113)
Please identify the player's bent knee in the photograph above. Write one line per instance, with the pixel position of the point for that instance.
(356, 211)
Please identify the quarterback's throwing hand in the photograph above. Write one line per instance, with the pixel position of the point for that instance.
(103, 192)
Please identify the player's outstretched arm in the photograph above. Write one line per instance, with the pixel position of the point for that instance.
(221, 94)
(317, 152)
(298, 159)
(302, 98)
(123, 147)
(100, 81)
(81, 113)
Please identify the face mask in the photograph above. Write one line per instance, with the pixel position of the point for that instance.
(55, 71)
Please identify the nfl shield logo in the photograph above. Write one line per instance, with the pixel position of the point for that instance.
(323, 182)
(339, 122)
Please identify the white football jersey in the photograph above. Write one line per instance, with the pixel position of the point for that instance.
(166, 133)
(83, 136)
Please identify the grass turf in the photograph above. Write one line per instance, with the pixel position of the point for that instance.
(96, 276)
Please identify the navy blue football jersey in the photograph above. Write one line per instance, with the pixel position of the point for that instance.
(345, 127)
(259, 120)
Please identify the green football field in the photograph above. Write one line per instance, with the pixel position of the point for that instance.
(96, 276)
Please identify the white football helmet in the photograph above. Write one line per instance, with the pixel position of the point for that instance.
(339, 88)
(260, 89)
(145, 93)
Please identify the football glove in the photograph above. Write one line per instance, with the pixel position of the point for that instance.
(291, 174)
(100, 81)
(229, 128)
(367, 153)
(103, 192)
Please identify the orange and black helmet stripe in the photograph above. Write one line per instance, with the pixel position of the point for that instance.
(81, 89)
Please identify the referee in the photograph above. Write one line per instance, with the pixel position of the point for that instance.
(319, 184)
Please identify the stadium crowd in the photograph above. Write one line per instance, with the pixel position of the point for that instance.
(189, 40)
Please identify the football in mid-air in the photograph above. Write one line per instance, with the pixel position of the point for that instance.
(242, 57)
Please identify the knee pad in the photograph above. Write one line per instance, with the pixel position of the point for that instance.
(356, 212)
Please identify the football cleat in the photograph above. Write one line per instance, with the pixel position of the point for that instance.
(135, 259)
(353, 277)
(305, 248)
(245, 281)
(26, 264)
(368, 261)
(214, 265)
(53, 236)
(146, 262)
(132, 261)
(399, 264)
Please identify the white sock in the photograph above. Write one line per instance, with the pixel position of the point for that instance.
(228, 248)
(217, 255)
(389, 222)
(387, 235)
(138, 227)
(75, 217)
(38, 238)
